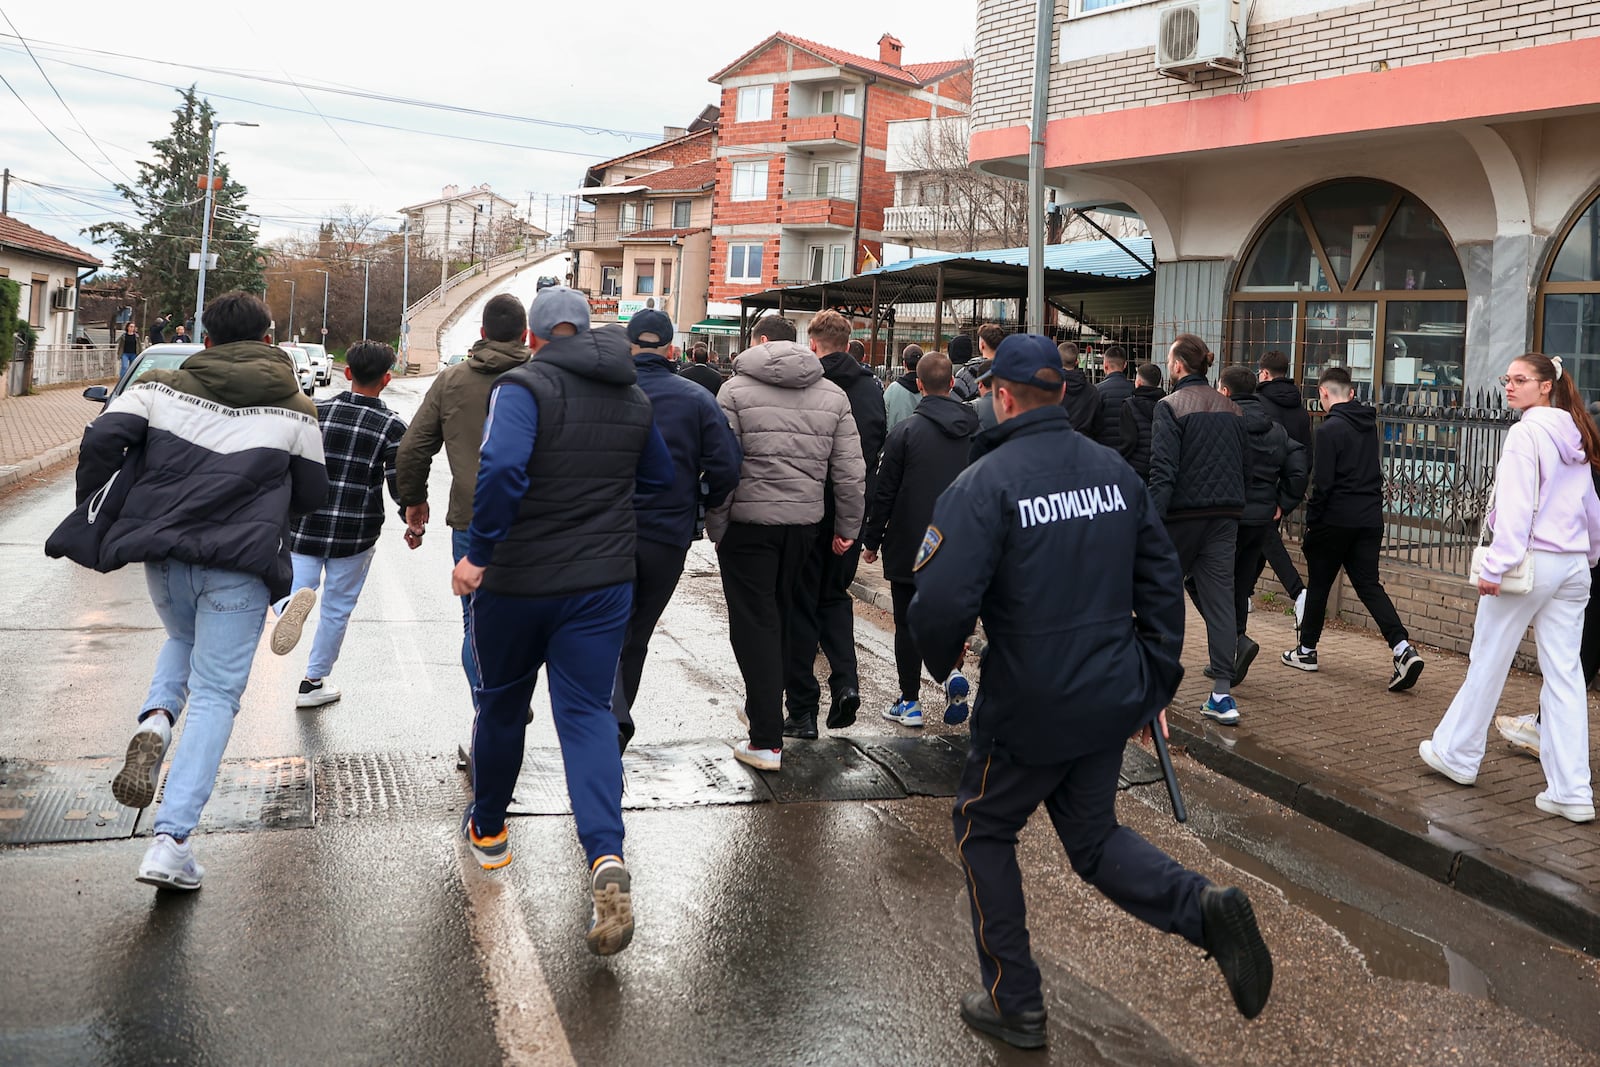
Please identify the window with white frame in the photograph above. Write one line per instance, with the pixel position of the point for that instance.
(1089, 7)
(755, 103)
(611, 281)
(838, 100)
(750, 181)
(681, 210)
(744, 263)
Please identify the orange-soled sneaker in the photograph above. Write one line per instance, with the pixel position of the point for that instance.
(493, 852)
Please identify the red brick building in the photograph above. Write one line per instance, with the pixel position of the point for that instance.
(793, 180)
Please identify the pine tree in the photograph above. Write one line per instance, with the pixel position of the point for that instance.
(169, 200)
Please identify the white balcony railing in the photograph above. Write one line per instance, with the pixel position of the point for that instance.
(926, 218)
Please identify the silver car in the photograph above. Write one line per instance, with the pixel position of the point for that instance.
(319, 362)
(302, 368)
(156, 357)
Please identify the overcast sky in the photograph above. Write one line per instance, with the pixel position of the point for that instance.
(621, 70)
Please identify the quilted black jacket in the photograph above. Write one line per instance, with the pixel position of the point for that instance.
(1199, 454)
(1278, 465)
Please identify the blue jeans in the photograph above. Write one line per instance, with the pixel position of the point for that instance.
(213, 620)
(460, 541)
(341, 580)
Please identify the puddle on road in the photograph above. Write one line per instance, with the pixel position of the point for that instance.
(1390, 951)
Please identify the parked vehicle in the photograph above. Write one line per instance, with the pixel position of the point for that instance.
(302, 368)
(453, 359)
(156, 357)
(319, 362)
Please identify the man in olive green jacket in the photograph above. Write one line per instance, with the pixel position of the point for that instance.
(452, 417)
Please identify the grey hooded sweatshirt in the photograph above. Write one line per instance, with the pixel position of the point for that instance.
(797, 430)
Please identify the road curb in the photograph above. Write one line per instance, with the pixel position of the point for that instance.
(12, 474)
(1543, 899)
(878, 598)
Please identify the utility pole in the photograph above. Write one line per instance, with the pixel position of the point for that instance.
(291, 310)
(405, 294)
(5, 192)
(444, 249)
(1043, 38)
(205, 227)
(366, 287)
(324, 305)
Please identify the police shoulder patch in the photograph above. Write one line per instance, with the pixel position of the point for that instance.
(930, 544)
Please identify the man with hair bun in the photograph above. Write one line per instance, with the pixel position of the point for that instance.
(1199, 470)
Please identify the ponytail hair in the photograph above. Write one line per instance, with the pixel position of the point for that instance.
(1192, 352)
(1564, 395)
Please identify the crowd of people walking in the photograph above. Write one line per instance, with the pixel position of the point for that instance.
(1011, 503)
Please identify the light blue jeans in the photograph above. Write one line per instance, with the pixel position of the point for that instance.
(213, 620)
(460, 541)
(341, 580)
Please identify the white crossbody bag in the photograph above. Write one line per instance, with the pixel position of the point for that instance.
(1519, 579)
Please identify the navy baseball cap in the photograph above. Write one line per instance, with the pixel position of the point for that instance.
(1020, 358)
(554, 306)
(650, 328)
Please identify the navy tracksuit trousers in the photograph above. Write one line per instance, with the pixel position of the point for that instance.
(994, 802)
(579, 639)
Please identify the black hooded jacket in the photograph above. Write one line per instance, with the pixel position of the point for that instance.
(1277, 466)
(1281, 400)
(1082, 401)
(922, 456)
(1136, 416)
(866, 404)
(1346, 477)
(1113, 389)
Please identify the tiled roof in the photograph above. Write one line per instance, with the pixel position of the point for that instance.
(691, 178)
(658, 235)
(707, 132)
(21, 236)
(913, 74)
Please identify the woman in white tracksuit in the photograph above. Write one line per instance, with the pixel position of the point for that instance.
(1545, 505)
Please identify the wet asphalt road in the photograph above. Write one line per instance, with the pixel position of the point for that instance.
(825, 933)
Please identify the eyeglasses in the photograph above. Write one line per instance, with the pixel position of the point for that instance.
(1519, 379)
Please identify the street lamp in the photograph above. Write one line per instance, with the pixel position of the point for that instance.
(205, 228)
(291, 310)
(324, 303)
(366, 286)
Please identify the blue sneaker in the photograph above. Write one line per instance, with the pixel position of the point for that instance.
(956, 688)
(904, 712)
(1225, 711)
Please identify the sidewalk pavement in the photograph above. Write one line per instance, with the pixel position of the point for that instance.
(1338, 747)
(39, 431)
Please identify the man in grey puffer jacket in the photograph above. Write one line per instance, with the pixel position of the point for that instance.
(797, 432)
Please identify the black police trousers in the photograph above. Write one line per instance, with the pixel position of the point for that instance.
(995, 800)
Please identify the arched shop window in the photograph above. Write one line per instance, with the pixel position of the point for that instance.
(1569, 302)
(1358, 274)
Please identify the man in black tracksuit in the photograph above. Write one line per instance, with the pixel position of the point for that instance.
(1080, 398)
(1199, 467)
(1277, 485)
(1281, 400)
(823, 613)
(1078, 660)
(1137, 414)
(1344, 527)
(922, 456)
(1114, 388)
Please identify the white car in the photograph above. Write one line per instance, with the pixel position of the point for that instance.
(319, 362)
(302, 368)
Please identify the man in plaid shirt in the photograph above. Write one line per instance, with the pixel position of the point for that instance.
(333, 546)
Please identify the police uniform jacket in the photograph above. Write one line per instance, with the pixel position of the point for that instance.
(1053, 540)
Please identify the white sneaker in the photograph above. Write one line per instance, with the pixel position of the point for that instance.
(1431, 758)
(1299, 610)
(315, 694)
(1521, 730)
(762, 759)
(135, 785)
(169, 865)
(1574, 812)
(286, 631)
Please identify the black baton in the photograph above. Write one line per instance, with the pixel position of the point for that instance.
(1167, 772)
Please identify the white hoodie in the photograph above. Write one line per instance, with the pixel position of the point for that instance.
(1543, 464)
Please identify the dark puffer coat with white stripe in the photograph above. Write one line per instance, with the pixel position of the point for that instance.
(204, 465)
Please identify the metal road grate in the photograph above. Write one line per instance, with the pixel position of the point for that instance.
(830, 768)
(254, 794)
(926, 766)
(687, 774)
(379, 784)
(68, 800)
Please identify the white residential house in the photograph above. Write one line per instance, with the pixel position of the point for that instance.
(473, 223)
(48, 271)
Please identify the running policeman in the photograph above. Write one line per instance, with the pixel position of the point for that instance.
(1057, 699)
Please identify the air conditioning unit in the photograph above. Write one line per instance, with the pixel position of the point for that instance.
(1196, 35)
(64, 299)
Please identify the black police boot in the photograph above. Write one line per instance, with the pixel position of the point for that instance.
(802, 726)
(1024, 1030)
(1229, 933)
(842, 711)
